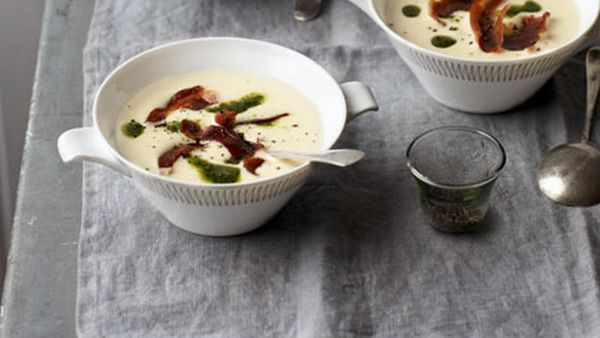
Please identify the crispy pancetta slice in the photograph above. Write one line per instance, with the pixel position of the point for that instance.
(444, 8)
(265, 120)
(194, 98)
(235, 143)
(252, 163)
(527, 34)
(168, 158)
(487, 24)
(191, 129)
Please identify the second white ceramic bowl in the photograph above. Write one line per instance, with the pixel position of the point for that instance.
(214, 209)
(482, 86)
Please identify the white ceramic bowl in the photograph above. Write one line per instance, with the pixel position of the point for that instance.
(483, 86)
(214, 209)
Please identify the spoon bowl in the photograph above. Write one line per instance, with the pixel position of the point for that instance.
(570, 173)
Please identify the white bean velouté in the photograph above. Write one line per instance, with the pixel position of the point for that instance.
(221, 136)
(454, 35)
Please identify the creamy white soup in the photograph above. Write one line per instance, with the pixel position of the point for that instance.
(454, 35)
(216, 126)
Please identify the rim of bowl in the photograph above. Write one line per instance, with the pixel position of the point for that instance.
(390, 32)
(496, 172)
(336, 95)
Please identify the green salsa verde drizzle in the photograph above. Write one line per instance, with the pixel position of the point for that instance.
(411, 11)
(442, 41)
(240, 105)
(215, 173)
(132, 129)
(527, 7)
(173, 126)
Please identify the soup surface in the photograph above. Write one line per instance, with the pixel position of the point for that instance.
(454, 35)
(216, 126)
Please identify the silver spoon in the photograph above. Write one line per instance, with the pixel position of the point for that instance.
(337, 157)
(307, 10)
(570, 173)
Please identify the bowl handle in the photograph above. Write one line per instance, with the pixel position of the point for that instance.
(359, 99)
(85, 144)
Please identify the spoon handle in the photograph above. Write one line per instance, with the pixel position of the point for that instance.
(593, 85)
(337, 157)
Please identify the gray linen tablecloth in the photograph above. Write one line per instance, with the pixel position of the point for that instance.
(351, 254)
